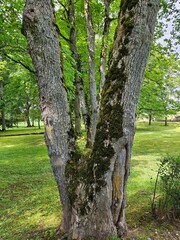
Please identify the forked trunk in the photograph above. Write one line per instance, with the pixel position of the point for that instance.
(98, 190)
(92, 189)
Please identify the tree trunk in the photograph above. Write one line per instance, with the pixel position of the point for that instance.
(150, 119)
(2, 107)
(91, 63)
(165, 121)
(78, 80)
(32, 122)
(104, 44)
(99, 201)
(43, 42)
(27, 114)
(3, 120)
(92, 190)
(77, 115)
(39, 123)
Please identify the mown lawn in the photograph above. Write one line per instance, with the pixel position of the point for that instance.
(29, 201)
(151, 143)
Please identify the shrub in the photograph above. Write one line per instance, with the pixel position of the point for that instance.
(166, 199)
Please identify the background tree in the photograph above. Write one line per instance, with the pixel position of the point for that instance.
(3, 123)
(19, 94)
(160, 89)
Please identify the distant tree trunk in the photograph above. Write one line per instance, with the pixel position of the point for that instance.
(92, 190)
(78, 80)
(150, 119)
(3, 120)
(28, 105)
(32, 122)
(2, 107)
(104, 47)
(91, 62)
(39, 123)
(165, 121)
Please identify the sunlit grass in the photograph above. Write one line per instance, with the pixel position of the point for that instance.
(22, 129)
(29, 201)
(150, 144)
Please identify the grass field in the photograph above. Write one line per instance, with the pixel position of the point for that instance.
(151, 143)
(29, 201)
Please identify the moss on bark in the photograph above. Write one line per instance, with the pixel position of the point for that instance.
(110, 126)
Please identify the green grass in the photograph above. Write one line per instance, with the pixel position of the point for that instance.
(150, 144)
(21, 130)
(29, 201)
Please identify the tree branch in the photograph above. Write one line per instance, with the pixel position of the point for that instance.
(61, 35)
(19, 62)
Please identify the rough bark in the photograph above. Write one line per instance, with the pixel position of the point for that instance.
(99, 201)
(92, 189)
(104, 47)
(43, 42)
(91, 63)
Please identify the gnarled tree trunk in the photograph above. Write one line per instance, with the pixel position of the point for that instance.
(92, 190)
(99, 207)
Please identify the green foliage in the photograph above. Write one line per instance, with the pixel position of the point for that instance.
(161, 87)
(166, 201)
(19, 90)
(169, 10)
(12, 42)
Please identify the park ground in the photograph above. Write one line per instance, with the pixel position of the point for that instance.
(29, 201)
